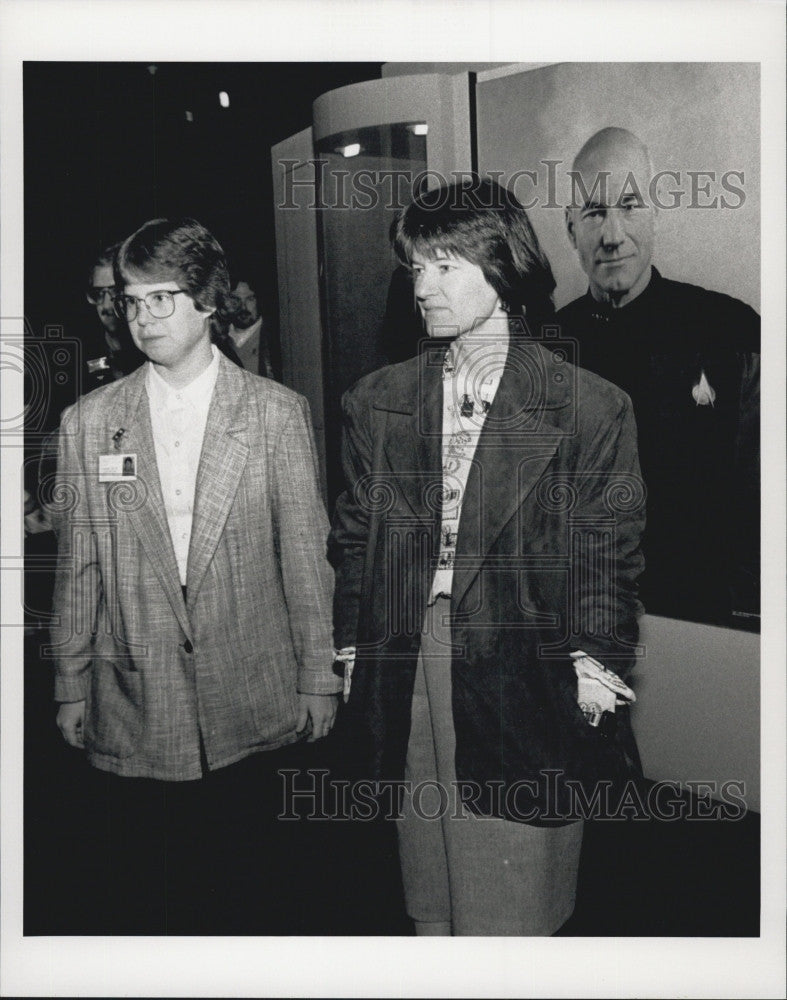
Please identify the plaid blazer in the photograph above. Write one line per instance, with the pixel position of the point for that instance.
(158, 672)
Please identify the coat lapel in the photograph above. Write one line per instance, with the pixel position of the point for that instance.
(148, 518)
(413, 445)
(225, 450)
(517, 443)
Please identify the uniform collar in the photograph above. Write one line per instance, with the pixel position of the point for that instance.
(604, 313)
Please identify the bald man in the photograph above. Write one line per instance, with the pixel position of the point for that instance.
(689, 359)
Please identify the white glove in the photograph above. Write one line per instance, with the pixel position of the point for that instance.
(598, 690)
(347, 657)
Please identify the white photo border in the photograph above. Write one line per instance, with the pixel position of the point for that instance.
(401, 30)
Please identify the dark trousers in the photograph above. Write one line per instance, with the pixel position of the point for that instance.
(202, 857)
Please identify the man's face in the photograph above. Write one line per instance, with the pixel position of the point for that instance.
(177, 341)
(612, 227)
(250, 313)
(103, 284)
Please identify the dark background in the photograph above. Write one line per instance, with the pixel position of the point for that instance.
(107, 146)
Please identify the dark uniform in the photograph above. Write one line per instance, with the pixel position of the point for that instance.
(700, 457)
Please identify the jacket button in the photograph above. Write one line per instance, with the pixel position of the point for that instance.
(187, 646)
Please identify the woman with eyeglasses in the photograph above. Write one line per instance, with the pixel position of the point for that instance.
(225, 305)
(192, 636)
(487, 552)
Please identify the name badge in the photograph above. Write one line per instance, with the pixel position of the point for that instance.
(117, 468)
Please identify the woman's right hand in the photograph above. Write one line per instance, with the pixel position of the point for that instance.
(70, 722)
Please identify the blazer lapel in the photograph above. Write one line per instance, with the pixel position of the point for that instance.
(413, 442)
(225, 450)
(146, 512)
(516, 445)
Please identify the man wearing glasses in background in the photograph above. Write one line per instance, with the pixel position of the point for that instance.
(192, 638)
(107, 355)
(116, 355)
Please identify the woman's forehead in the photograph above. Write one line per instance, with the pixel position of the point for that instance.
(155, 275)
(432, 250)
(136, 286)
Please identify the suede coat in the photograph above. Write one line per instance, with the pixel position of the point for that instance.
(547, 560)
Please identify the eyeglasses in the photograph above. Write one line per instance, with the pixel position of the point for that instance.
(159, 304)
(98, 293)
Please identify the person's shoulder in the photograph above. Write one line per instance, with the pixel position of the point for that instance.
(697, 295)
(273, 402)
(567, 388)
(97, 403)
(266, 391)
(268, 388)
(722, 319)
(381, 381)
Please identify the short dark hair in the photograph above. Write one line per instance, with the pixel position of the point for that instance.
(483, 222)
(185, 252)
